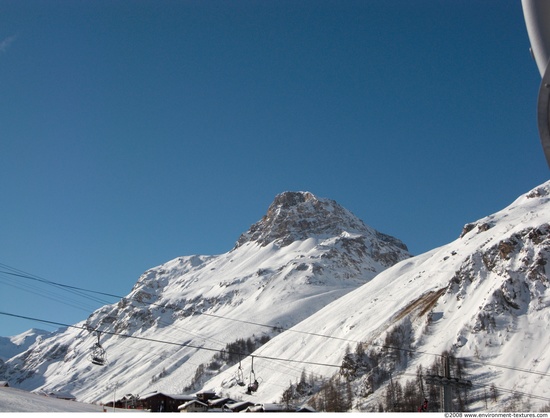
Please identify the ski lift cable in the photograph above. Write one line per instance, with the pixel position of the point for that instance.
(44, 291)
(257, 356)
(45, 294)
(516, 369)
(315, 334)
(78, 291)
(217, 350)
(148, 354)
(74, 293)
(291, 370)
(512, 391)
(20, 273)
(481, 385)
(25, 275)
(32, 277)
(166, 342)
(286, 369)
(61, 285)
(223, 317)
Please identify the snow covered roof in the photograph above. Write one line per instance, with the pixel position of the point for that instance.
(305, 408)
(267, 407)
(238, 406)
(60, 395)
(194, 401)
(217, 403)
(169, 395)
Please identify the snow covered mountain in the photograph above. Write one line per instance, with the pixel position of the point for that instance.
(483, 300)
(188, 319)
(341, 336)
(11, 346)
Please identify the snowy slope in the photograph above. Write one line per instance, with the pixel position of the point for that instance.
(16, 400)
(483, 297)
(11, 346)
(303, 254)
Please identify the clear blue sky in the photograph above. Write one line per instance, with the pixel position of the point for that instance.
(134, 132)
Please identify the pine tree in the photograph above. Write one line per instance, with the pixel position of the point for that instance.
(288, 395)
(302, 386)
(494, 392)
(411, 396)
(359, 350)
(348, 397)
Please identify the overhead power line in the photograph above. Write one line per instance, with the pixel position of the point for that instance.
(498, 388)
(258, 356)
(81, 292)
(22, 274)
(501, 366)
(118, 334)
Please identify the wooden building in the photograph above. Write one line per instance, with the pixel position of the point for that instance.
(193, 406)
(164, 402)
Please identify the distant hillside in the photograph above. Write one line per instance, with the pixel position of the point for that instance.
(11, 346)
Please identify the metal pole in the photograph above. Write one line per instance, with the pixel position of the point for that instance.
(447, 390)
(447, 382)
(114, 397)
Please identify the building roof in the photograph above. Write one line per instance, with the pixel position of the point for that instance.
(178, 397)
(60, 395)
(268, 407)
(305, 408)
(238, 406)
(218, 403)
(207, 393)
(194, 401)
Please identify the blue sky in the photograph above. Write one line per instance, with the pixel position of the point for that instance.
(134, 132)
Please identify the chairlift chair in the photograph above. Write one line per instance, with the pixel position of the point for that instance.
(253, 385)
(240, 376)
(97, 356)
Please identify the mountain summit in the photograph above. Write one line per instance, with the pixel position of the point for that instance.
(297, 216)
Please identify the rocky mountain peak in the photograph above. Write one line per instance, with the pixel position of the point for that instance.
(300, 215)
(289, 199)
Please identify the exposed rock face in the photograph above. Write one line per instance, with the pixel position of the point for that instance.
(295, 216)
(298, 215)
